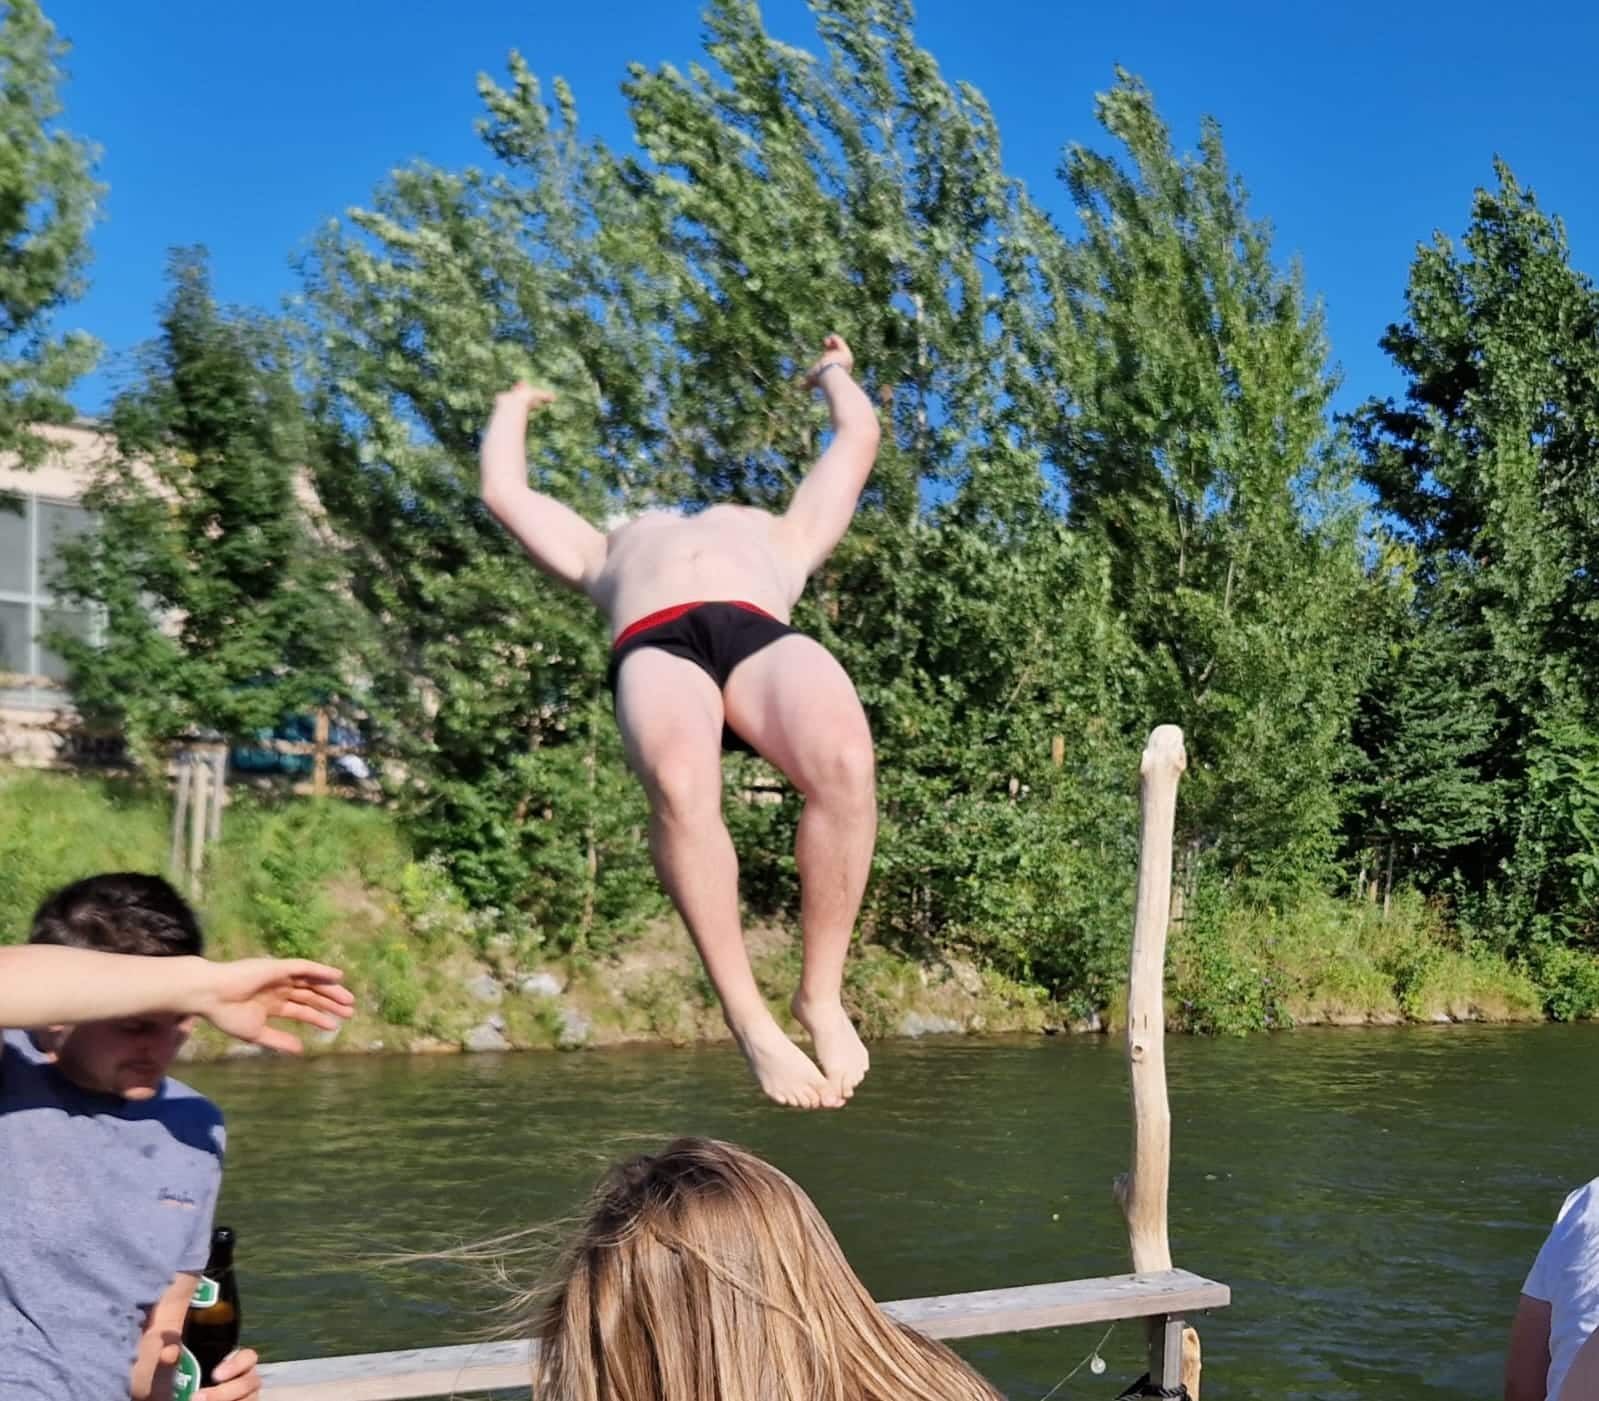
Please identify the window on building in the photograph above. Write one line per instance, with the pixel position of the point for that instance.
(32, 531)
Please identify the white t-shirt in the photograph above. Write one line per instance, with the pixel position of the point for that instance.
(1566, 1277)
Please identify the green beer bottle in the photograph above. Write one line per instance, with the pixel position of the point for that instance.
(211, 1331)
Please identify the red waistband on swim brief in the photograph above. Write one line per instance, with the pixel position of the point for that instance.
(668, 615)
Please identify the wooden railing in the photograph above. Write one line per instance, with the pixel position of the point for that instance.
(1170, 1296)
(1159, 1294)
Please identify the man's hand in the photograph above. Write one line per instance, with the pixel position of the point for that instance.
(241, 997)
(824, 503)
(523, 397)
(235, 1378)
(834, 352)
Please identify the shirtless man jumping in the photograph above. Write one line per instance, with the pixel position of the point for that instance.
(703, 660)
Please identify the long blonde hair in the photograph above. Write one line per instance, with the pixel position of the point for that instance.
(703, 1273)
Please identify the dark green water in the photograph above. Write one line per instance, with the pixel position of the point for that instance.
(1373, 1197)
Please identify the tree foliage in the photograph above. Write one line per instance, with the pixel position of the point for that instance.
(1487, 469)
(1005, 596)
(47, 203)
(222, 608)
(1112, 494)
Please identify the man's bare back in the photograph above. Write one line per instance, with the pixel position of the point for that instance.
(694, 663)
(662, 559)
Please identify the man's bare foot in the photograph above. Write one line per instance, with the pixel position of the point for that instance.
(839, 1049)
(785, 1073)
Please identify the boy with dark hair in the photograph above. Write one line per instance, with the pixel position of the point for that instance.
(122, 913)
(109, 1170)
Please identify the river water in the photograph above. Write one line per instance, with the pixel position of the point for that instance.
(1373, 1197)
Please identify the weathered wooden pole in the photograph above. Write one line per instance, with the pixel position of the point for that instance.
(180, 808)
(201, 764)
(319, 764)
(1143, 1190)
(219, 784)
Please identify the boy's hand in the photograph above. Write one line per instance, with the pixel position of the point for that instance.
(242, 996)
(523, 397)
(834, 352)
(235, 1378)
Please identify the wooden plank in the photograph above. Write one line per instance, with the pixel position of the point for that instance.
(1063, 1305)
(396, 1376)
(296, 746)
(424, 1372)
(319, 780)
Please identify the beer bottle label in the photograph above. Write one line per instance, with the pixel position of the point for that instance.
(186, 1380)
(206, 1293)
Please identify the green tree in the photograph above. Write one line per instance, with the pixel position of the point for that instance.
(1181, 387)
(1425, 723)
(488, 682)
(222, 608)
(47, 203)
(860, 189)
(1487, 466)
(671, 298)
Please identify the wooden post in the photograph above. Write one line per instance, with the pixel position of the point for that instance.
(1192, 1364)
(1057, 750)
(180, 808)
(202, 770)
(319, 771)
(219, 787)
(1143, 1190)
(1166, 1338)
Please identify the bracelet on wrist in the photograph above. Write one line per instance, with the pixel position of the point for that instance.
(816, 375)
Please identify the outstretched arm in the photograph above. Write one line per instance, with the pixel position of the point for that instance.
(560, 542)
(46, 985)
(824, 503)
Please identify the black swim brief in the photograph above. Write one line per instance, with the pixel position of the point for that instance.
(716, 637)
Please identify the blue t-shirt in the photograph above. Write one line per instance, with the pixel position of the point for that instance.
(102, 1202)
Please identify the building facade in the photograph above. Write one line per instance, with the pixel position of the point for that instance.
(39, 511)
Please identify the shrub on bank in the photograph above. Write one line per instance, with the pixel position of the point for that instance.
(339, 881)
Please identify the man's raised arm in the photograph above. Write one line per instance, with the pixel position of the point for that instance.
(560, 542)
(824, 503)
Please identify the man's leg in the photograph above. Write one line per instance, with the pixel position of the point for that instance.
(670, 715)
(794, 704)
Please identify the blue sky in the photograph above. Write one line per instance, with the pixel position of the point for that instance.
(1358, 127)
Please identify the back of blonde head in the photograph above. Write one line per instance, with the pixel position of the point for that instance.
(704, 1274)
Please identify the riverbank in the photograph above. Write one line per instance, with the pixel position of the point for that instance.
(654, 991)
(338, 881)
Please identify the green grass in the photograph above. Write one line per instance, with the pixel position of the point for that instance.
(54, 830)
(1342, 961)
(319, 879)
